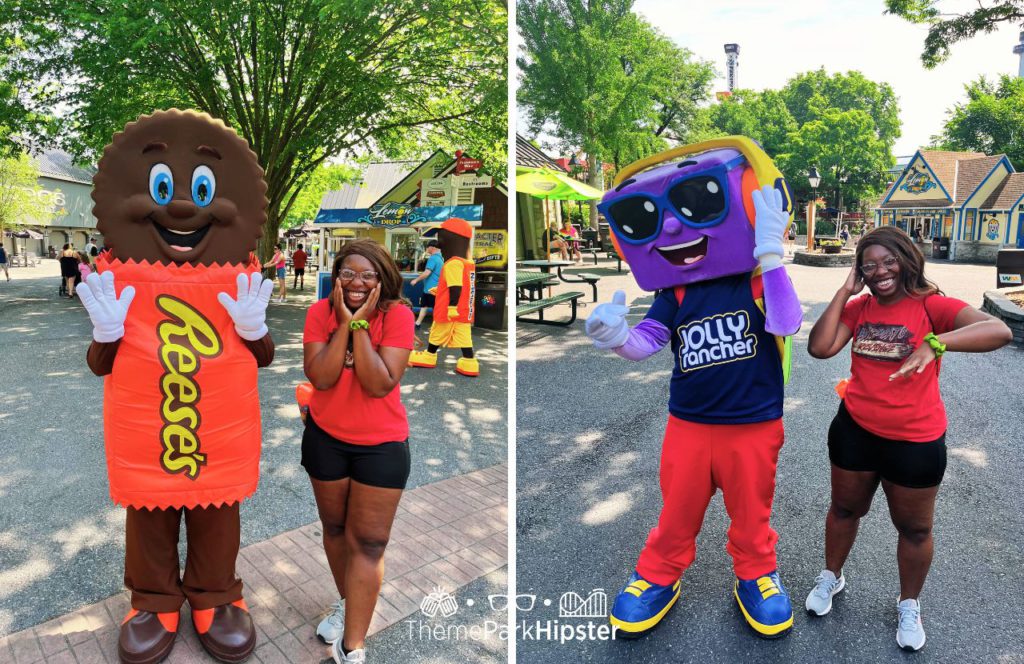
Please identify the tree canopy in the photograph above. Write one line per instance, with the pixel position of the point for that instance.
(946, 29)
(990, 121)
(301, 80)
(327, 177)
(19, 189)
(599, 78)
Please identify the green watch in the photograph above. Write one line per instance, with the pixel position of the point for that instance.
(359, 325)
(937, 346)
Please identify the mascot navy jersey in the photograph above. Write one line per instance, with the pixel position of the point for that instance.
(726, 367)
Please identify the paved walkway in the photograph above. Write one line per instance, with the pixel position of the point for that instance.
(446, 535)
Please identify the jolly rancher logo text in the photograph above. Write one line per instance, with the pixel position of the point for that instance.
(185, 337)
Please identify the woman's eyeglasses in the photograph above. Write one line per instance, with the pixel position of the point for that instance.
(868, 269)
(367, 276)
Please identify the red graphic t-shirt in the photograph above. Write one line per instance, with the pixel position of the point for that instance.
(346, 411)
(884, 336)
(299, 259)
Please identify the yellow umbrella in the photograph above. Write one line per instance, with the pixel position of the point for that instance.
(551, 185)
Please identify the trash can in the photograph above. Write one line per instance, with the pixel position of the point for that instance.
(491, 301)
(940, 248)
(1009, 268)
(936, 248)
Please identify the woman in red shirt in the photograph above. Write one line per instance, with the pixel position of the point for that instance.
(355, 447)
(891, 425)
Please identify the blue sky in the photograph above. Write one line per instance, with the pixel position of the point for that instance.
(781, 39)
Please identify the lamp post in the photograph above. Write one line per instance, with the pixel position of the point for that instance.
(839, 218)
(814, 180)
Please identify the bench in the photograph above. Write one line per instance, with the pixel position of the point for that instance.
(539, 306)
(584, 278)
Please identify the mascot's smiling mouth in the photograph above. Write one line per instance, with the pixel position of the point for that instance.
(181, 240)
(686, 253)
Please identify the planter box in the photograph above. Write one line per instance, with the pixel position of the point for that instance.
(1000, 306)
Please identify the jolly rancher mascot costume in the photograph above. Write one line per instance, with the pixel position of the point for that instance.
(703, 225)
(453, 305)
(180, 200)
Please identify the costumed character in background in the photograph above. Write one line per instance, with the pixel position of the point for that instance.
(180, 200)
(453, 304)
(703, 225)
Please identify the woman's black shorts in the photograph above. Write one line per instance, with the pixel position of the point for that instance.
(427, 300)
(913, 465)
(327, 459)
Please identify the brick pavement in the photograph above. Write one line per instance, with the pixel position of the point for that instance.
(446, 534)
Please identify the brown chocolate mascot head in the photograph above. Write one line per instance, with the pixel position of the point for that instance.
(180, 187)
(453, 238)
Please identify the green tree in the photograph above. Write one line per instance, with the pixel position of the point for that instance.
(762, 116)
(991, 121)
(946, 28)
(327, 177)
(301, 80)
(598, 77)
(19, 192)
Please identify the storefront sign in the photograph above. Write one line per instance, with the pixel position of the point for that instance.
(917, 181)
(490, 249)
(1010, 279)
(463, 164)
(472, 181)
(342, 232)
(435, 192)
(391, 214)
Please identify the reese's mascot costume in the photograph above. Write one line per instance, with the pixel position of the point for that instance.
(180, 200)
(453, 304)
(702, 225)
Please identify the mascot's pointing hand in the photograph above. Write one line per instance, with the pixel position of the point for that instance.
(769, 226)
(249, 311)
(106, 310)
(607, 324)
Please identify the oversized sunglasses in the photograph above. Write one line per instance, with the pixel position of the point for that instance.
(698, 200)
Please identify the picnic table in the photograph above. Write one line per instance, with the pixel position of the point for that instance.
(531, 284)
(578, 278)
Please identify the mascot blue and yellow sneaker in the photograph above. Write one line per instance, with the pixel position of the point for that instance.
(701, 226)
(765, 605)
(641, 605)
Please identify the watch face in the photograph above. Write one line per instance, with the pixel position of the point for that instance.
(180, 187)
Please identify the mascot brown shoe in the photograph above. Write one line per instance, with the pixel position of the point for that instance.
(146, 637)
(226, 631)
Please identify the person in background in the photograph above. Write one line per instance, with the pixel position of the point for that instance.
(557, 243)
(91, 249)
(299, 258)
(278, 262)
(355, 447)
(84, 266)
(572, 238)
(430, 276)
(844, 235)
(69, 268)
(3, 261)
(891, 424)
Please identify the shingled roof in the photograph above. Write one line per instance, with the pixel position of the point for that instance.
(960, 173)
(527, 155)
(1006, 195)
(970, 175)
(61, 166)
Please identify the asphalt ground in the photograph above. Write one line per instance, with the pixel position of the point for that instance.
(590, 427)
(62, 539)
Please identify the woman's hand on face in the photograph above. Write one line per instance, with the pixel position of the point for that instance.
(854, 282)
(364, 312)
(341, 311)
(916, 363)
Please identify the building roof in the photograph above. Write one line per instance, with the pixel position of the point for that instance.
(1006, 194)
(970, 174)
(59, 165)
(934, 203)
(527, 155)
(377, 180)
(959, 173)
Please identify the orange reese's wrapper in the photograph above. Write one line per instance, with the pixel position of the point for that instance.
(181, 411)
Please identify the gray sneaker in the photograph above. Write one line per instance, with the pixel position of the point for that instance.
(819, 602)
(358, 655)
(910, 631)
(332, 627)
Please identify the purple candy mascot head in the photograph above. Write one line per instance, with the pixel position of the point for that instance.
(686, 215)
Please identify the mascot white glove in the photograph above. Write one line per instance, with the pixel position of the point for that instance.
(106, 311)
(607, 324)
(249, 311)
(770, 222)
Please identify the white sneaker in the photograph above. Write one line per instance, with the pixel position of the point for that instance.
(910, 631)
(358, 655)
(332, 626)
(826, 586)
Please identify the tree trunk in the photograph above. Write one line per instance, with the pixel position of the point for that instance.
(595, 178)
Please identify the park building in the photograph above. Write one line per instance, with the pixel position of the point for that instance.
(970, 202)
(66, 190)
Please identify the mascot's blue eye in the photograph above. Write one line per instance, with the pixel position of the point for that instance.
(161, 184)
(204, 185)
